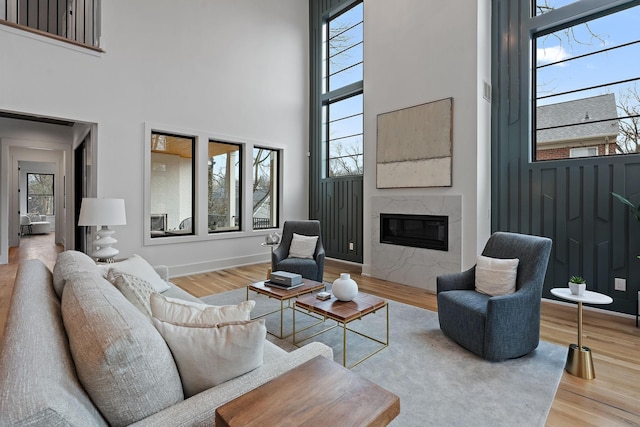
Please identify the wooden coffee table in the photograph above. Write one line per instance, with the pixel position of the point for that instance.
(283, 295)
(317, 393)
(343, 313)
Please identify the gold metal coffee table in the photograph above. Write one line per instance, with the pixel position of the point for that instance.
(343, 313)
(283, 295)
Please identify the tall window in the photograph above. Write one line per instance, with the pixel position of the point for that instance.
(265, 188)
(224, 182)
(586, 92)
(172, 184)
(342, 112)
(40, 198)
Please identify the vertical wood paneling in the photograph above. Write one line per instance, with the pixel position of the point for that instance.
(569, 201)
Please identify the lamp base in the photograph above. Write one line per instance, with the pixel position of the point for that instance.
(103, 251)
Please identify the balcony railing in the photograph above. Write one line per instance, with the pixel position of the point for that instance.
(75, 21)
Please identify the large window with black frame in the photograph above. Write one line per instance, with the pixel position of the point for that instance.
(342, 105)
(40, 195)
(586, 92)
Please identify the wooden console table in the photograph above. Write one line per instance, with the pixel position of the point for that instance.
(317, 393)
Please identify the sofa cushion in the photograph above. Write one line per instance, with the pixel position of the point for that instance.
(121, 360)
(138, 291)
(175, 310)
(208, 355)
(138, 266)
(71, 263)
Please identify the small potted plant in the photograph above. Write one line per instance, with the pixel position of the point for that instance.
(577, 285)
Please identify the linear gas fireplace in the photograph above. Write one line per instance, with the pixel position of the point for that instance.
(418, 231)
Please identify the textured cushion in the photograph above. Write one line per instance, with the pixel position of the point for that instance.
(302, 246)
(121, 360)
(176, 310)
(138, 266)
(496, 276)
(71, 263)
(138, 291)
(34, 217)
(38, 382)
(208, 355)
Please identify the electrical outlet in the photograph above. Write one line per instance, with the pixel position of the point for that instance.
(620, 284)
(350, 246)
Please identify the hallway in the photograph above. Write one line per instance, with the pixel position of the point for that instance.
(42, 247)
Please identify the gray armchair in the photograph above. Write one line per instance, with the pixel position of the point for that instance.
(312, 269)
(500, 327)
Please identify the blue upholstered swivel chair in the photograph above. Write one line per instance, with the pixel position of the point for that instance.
(312, 269)
(499, 327)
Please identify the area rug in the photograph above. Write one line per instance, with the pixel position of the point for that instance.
(439, 383)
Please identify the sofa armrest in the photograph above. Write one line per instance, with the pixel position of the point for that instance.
(163, 271)
(200, 409)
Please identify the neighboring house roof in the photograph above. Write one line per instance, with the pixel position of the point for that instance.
(584, 112)
(261, 204)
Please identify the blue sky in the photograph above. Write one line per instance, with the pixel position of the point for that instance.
(569, 71)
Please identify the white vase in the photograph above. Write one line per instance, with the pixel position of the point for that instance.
(345, 288)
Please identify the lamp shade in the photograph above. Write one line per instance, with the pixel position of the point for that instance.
(102, 212)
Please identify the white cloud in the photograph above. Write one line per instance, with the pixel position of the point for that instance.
(551, 54)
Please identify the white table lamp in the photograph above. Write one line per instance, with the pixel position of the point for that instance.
(103, 213)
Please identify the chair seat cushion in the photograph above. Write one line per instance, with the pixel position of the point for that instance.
(462, 316)
(303, 266)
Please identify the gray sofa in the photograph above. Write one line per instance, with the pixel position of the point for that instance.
(40, 383)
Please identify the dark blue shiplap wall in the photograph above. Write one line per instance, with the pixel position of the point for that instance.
(570, 201)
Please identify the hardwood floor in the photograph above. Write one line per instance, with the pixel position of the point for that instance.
(611, 399)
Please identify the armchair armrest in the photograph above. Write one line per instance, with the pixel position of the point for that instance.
(465, 280)
(278, 255)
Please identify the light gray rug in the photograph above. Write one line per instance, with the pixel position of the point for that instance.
(439, 383)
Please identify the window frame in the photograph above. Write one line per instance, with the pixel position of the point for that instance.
(329, 97)
(52, 195)
(535, 26)
(274, 206)
(239, 197)
(200, 208)
(194, 218)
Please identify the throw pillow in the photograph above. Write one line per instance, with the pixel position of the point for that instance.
(496, 276)
(176, 310)
(302, 246)
(208, 355)
(34, 217)
(138, 291)
(120, 358)
(138, 266)
(70, 263)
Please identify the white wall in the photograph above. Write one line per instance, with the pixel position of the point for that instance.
(234, 68)
(419, 51)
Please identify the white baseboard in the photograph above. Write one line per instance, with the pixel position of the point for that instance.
(220, 264)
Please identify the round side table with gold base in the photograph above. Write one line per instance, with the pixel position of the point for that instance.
(579, 361)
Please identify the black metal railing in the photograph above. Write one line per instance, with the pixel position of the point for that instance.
(260, 223)
(73, 20)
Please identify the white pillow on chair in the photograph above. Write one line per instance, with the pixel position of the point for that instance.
(302, 246)
(495, 276)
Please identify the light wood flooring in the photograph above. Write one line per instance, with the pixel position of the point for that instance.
(611, 399)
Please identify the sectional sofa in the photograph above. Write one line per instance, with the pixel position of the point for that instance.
(66, 325)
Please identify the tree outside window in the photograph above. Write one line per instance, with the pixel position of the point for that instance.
(40, 197)
(265, 188)
(224, 182)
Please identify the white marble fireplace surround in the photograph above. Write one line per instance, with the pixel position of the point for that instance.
(416, 266)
